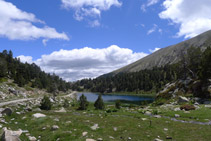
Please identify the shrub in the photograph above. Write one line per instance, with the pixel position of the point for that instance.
(83, 102)
(46, 103)
(187, 107)
(99, 104)
(118, 104)
(66, 103)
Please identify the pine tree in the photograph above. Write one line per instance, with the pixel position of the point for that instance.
(83, 102)
(46, 103)
(99, 104)
(118, 104)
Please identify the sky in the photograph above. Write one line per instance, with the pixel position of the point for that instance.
(78, 39)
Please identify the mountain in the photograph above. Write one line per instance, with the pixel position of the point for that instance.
(169, 55)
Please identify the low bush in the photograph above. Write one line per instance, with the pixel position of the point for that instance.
(46, 103)
(187, 107)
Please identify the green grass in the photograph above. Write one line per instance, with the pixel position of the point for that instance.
(129, 123)
(201, 114)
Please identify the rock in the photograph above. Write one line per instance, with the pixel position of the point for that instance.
(129, 138)
(39, 115)
(55, 127)
(177, 109)
(90, 140)
(196, 106)
(158, 139)
(32, 138)
(111, 137)
(62, 110)
(115, 128)
(165, 129)
(99, 139)
(148, 113)
(169, 138)
(207, 106)
(157, 116)
(84, 134)
(144, 119)
(7, 111)
(176, 115)
(13, 91)
(182, 99)
(37, 110)
(10, 135)
(95, 127)
(18, 113)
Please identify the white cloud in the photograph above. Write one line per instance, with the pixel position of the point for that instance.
(86, 62)
(193, 17)
(16, 24)
(148, 4)
(153, 50)
(154, 29)
(94, 23)
(89, 8)
(25, 59)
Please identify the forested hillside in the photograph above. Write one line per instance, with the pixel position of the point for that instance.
(195, 65)
(29, 74)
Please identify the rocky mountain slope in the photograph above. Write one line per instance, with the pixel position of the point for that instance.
(169, 55)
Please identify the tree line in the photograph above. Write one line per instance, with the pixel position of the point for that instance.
(30, 74)
(195, 63)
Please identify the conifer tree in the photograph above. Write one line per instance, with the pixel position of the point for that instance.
(99, 104)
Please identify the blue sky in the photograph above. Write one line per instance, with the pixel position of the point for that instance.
(54, 33)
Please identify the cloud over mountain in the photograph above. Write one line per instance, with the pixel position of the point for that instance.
(86, 62)
(193, 17)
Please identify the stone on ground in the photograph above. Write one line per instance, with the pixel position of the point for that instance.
(7, 111)
(95, 127)
(182, 99)
(32, 138)
(39, 115)
(10, 135)
(90, 140)
(84, 134)
(55, 127)
(62, 110)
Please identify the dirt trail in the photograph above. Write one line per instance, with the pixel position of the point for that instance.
(72, 95)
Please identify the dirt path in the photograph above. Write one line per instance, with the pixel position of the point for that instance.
(71, 95)
(15, 101)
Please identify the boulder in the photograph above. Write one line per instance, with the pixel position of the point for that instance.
(13, 91)
(157, 116)
(148, 113)
(207, 106)
(10, 135)
(177, 109)
(84, 134)
(39, 115)
(32, 138)
(182, 99)
(90, 140)
(158, 139)
(55, 127)
(95, 127)
(7, 111)
(176, 115)
(62, 110)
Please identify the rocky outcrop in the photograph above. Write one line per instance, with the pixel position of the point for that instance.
(10, 135)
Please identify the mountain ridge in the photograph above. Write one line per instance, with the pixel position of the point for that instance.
(168, 55)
